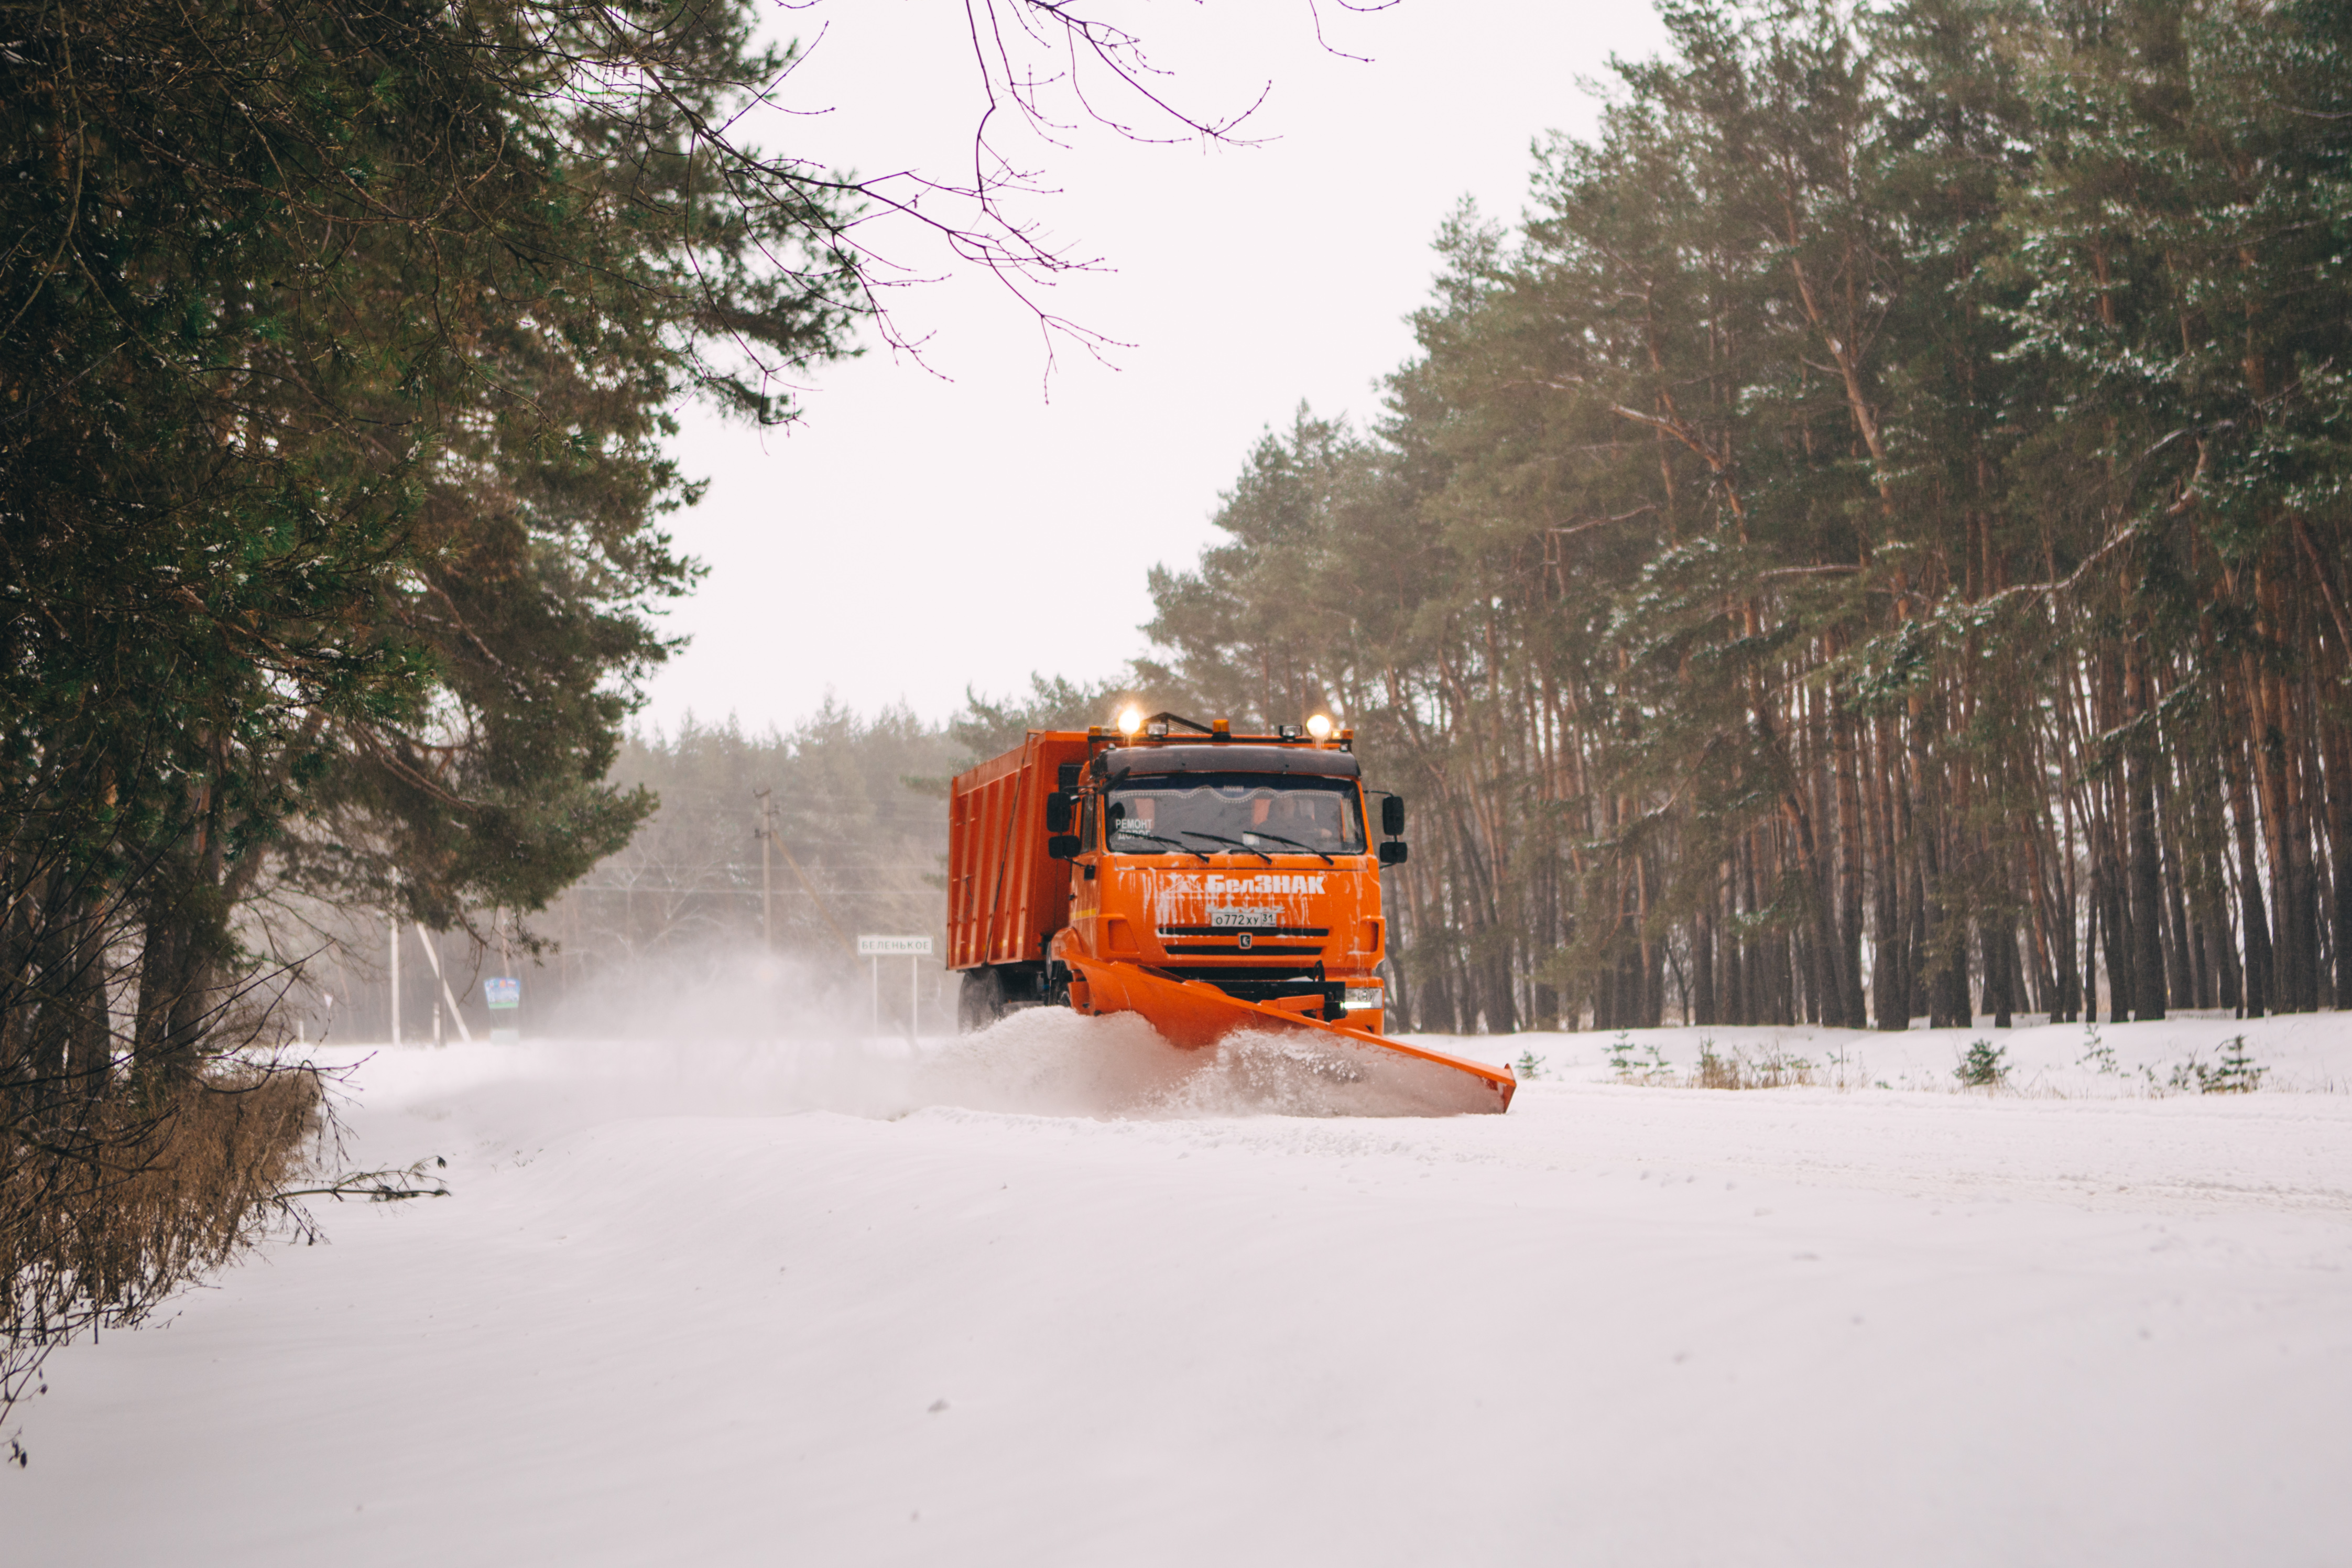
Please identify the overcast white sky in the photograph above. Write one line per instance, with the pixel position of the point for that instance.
(927, 530)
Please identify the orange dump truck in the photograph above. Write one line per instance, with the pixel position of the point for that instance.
(1209, 882)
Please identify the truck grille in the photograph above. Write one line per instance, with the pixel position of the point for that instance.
(1255, 950)
(1166, 932)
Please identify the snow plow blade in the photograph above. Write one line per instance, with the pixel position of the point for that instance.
(1194, 1013)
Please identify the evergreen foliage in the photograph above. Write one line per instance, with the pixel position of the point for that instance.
(341, 337)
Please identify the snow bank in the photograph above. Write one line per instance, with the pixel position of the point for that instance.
(2301, 1052)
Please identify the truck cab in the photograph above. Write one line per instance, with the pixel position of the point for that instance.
(1239, 863)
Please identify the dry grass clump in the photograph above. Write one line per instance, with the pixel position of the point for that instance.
(1767, 1069)
(1739, 1069)
(110, 1202)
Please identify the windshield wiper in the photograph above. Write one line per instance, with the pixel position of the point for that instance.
(1180, 849)
(1220, 839)
(1294, 843)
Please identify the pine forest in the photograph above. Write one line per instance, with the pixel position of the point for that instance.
(1870, 544)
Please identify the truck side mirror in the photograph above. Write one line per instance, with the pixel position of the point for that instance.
(1392, 853)
(1065, 847)
(1057, 813)
(1393, 817)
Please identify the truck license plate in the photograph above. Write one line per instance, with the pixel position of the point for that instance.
(1242, 915)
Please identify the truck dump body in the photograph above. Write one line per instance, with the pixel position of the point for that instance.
(1210, 884)
(1006, 896)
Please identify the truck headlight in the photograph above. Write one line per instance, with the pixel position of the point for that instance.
(1361, 998)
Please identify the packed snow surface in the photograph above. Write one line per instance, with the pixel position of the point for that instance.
(1058, 1295)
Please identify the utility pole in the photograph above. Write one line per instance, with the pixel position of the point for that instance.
(767, 878)
(393, 921)
(792, 864)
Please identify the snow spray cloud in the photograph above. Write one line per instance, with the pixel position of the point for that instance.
(740, 993)
(1040, 1062)
(1046, 1061)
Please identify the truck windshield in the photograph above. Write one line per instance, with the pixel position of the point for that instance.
(1268, 813)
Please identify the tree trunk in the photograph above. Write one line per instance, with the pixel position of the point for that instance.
(2253, 921)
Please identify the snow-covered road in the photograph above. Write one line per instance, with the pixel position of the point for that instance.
(667, 1317)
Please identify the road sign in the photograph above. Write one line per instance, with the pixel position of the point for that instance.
(878, 948)
(894, 946)
(502, 991)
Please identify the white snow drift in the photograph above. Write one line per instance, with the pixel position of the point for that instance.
(1059, 1295)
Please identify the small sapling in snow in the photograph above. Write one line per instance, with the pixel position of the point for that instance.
(2236, 1074)
(1527, 1067)
(1651, 1067)
(1985, 1067)
(1620, 1055)
(2097, 1055)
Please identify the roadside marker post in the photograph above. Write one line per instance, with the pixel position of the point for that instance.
(913, 949)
